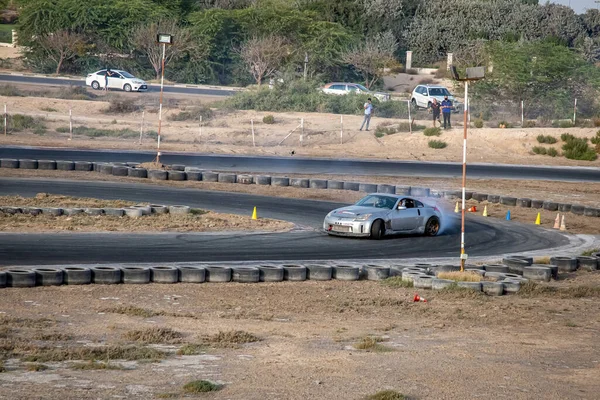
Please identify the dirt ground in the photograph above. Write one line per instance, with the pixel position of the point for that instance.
(200, 222)
(230, 132)
(458, 345)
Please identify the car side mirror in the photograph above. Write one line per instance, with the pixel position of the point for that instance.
(425, 94)
(401, 208)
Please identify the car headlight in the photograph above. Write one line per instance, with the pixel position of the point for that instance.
(363, 217)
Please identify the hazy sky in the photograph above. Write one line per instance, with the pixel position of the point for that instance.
(578, 5)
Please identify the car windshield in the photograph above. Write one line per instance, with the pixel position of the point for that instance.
(361, 87)
(126, 74)
(439, 92)
(377, 201)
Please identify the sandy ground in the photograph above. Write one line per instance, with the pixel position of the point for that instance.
(456, 346)
(231, 133)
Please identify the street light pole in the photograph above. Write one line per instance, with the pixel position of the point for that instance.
(305, 65)
(164, 39)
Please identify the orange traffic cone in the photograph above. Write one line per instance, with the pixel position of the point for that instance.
(562, 224)
(473, 209)
(557, 221)
(418, 298)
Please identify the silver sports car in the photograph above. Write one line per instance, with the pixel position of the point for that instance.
(379, 214)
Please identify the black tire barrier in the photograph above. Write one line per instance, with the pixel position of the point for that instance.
(157, 174)
(136, 275)
(133, 212)
(32, 210)
(528, 259)
(503, 269)
(137, 172)
(106, 275)
(346, 273)
(28, 164)
(194, 174)
(318, 272)
(564, 207)
(46, 164)
(476, 286)
(158, 209)
(47, 276)
(515, 265)
(423, 282)
(176, 176)
(9, 163)
(553, 268)
(263, 179)
(132, 164)
(587, 263)
(335, 185)
(114, 212)
(389, 189)
(218, 274)
(468, 195)
(367, 187)
(597, 255)
(577, 209)
(56, 212)
(479, 272)
(354, 186)
(2, 279)
(294, 273)
(280, 181)
(227, 178)
(179, 210)
(270, 273)
(452, 194)
(537, 273)
(93, 211)
(318, 184)
(475, 267)
(439, 284)
(245, 179)
(119, 164)
(511, 286)
(480, 196)
(73, 275)
(565, 264)
(591, 212)
(377, 272)
(63, 165)
(85, 166)
(508, 201)
(419, 191)
(403, 190)
(120, 171)
(106, 169)
(494, 198)
(245, 275)
(178, 167)
(550, 205)
(394, 271)
(146, 209)
(537, 203)
(20, 278)
(524, 202)
(72, 211)
(10, 210)
(300, 182)
(492, 288)
(192, 274)
(209, 176)
(494, 276)
(164, 274)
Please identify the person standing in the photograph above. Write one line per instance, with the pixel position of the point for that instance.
(108, 74)
(446, 111)
(435, 111)
(368, 112)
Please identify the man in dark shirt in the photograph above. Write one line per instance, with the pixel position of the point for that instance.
(446, 112)
(435, 111)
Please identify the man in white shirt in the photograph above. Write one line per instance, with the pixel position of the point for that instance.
(368, 112)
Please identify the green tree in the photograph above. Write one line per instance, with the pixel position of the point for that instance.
(372, 56)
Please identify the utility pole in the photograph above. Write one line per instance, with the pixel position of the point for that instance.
(305, 65)
(164, 39)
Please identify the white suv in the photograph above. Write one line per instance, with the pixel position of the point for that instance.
(423, 95)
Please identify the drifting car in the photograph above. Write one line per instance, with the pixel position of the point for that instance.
(377, 214)
(117, 79)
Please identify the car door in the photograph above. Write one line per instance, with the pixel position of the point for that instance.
(404, 219)
(115, 81)
(338, 89)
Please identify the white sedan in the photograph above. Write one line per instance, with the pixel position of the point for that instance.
(116, 79)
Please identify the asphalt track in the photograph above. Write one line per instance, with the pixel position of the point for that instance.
(289, 165)
(485, 237)
(34, 80)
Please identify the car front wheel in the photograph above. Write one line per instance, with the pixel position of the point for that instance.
(95, 85)
(377, 230)
(432, 227)
(127, 87)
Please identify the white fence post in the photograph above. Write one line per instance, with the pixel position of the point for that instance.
(522, 113)
(142, 127)
(409, 120)
(301, 131)
(408, 60)
(5, 121)
(575, 112)
(252, 124)
(200, 127)
(341, 129)
(70, 124)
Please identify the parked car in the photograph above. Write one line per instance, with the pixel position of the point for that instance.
(117, 80)
(423, 95)
(379, 214)
(341, 88)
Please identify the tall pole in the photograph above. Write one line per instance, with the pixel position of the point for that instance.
(70, 124)
(142, 127)
(162, 81)
(464, 180)
(5, 121)
(409, 121)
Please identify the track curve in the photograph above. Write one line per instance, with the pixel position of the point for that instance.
(484, 236)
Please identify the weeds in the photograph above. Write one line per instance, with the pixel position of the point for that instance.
(539, 150)
(193, 115)
(20, 122)
(460, 276)
(478, 123)
(269, 119)
(95, 365)
(230, 339)
(10, 91)
(371, 343)
(153, 335)
(124, 133)
(588, 253)
(36, 367)
(51, 337)
(29, 353)
(552, 152)
(546, 139)
(386, 395)
(190, 349)
(541, 260)
(530, 289)
(144, 312)
(529, 124)
(432, 132)
(201, 387)
(437, 144)
(396, 282)
(48, 109)
(119, 105)
(504, 124)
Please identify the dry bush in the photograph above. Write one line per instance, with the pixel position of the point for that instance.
(386, 395)
(396, 281)
(35, 367)
(201, 387)
(95, 365)
(371, 343)
(153, 335)
(190, 349)
(466, 276)
(51, 337)
(531, 289)
(56, 354)
(230, 339)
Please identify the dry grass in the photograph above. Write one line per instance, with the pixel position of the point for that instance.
(397, 282)
(35, 367)
(200, 387)
(190, 349)
(51, 337)
(386, 395)
(466, 276)
(29, 353)
(52, 200)
(16, 322)
(2, 369)
(372, 343)
(590, 252)
(95, 365)
(230, 339)
(153, 335)
(541, 260)
(531, 289)
(144, 312)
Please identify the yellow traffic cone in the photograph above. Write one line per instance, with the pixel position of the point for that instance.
(254, 216)
(485, 211)
(538, 220)
(562, 224)
(557, 221)
(456, 208)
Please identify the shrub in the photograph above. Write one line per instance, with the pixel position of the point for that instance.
(382, 130)
(565, 124)
(200, 387)
(432, 132)
(578, 149)
(546, 139)
(596, 139)
(10, 91)
(119, 105)
(539, 150)
(552, 152)
(529, 124)
(386, 395)
(437, 144)
(596, 122)
(269, 119)
(504, 124)
(20, 122)
(193, 115)
(565, 137)
(379, 134)
(412, 71)
(479, 123)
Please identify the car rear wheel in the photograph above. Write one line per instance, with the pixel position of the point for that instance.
(377, 230)
(95, 85)
(127, 87)
(414, 103)
(432, 227)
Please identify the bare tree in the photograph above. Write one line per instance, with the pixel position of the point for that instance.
(264, 56)
(144, 40)
(372, 56)
(61, 46)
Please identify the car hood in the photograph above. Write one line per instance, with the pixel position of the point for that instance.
(354, 211)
